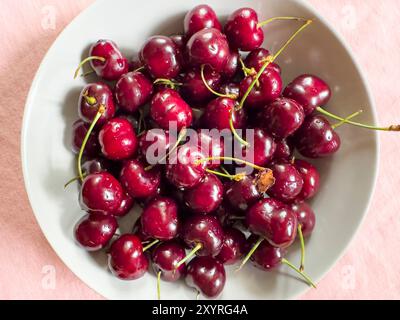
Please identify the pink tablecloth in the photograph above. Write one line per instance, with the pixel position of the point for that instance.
(28, 265)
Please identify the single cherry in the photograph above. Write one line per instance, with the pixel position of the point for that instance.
(262, 148)
(233, 248)
(126, 205)
(266, 257)
(207, 275)
(310, 176)
(118, 139)
(316, 138)
(242, 194)
(101, 192)
(79, 131)
(199, 18)
(168, 108)
(94, 231)
(160, 219)
(126, 259)
(284, 149)
(305, 217)
(309, 91)
(133, 90)
(206, 196)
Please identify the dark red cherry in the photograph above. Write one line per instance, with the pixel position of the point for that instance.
(257, 58)
(137, 230)
(180, 43)
(91, 98)
(94, 231)
(168, 108)
(118, 139)
(96, 165)
(309, 91)
(205, 231)
(232, 65)
(268, 89)
(154, 143)
(241, 195)
(208, 46)
(79, 130)
(284, 149)
(199, 18)
(274, 221)
(288, 182)
(316, 138)
(126, 259)
(126, 205)
(305, 217)
(160, 219)
(140, 183)
(230, 88)
(161, 57)
(282, 117)
(206, 196)
(310, 176)
(101, 192)
(133, 90)
(262, 148)
(115, 64)
(210, 144)
(243, 31)
(207, 275)
(266, 257)
(193, 88)
(234, 246)
(182, 170)
(218, 113)
(165, 258)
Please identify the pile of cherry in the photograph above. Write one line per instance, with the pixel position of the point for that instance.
(200, 212)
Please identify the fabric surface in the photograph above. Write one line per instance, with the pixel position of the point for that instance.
(30, 269)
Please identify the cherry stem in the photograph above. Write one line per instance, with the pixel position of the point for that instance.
(357, 124)
(198, 295)
(90, 100)
(272, 59)
(247, 71)
(191, 254)
(235, 134)
(87, 73)
(231, 159)
(302, 247)
(235, 177)
(141, 122)
(301, 273)
(87, 60)
(231, 96)
(139, 69)
(158, 285)
(172, 84)
(263, 23)
(181, 136)
(224, 170)
(150, 245)
(99, 113)
(73, 180)
(353, 115)
(248, 256)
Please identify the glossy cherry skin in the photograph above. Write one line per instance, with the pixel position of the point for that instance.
(311, 178)
(118, 139)
(206, 196)
(101, 192)
(282, 117)
(126, 259)
(257, 58)
(234, 246)
(316, 138)
(165, 258)
(168, 106)
(232, 65)
(182, 171)
(262, 148)
(193, 88)
(241, 195)
(274, 221)
(133, 90)
(284, 149)
(140, 183)
(94, 231)
(309, 91)
(218, 112)
(96, 165)
(208, 46)
(160, 219)
(305, 217)
(288, 182)
(231, 88)
(160, 56)
(207, 275)
(79, 130)
(199, 18)
(126, 205)
(115, 64)
(101, 95)
(266, 257)
(242, 30)
(269, 89)
(205, 230)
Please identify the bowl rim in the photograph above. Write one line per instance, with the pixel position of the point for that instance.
(319, 17)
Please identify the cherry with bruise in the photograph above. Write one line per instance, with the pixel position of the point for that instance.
(233, 248)
(310, 176)
(199, 18)
(126, 259)
(95, 230)
(305, 217)
(79, 131)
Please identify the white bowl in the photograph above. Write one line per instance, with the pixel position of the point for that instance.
(348, 177)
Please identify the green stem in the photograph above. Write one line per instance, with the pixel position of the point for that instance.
(158, 285)
(302, 248)
(235, 177)
(85, 61)
(150, 245)
(168, 82)
(248, 256)
(73, 180)
(302, 274)
(231, 96)
(191, 254)
(353, 115)
(235, 134)
(263, 23)
(231, 159)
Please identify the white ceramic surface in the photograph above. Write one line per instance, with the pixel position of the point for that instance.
(347, 178)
